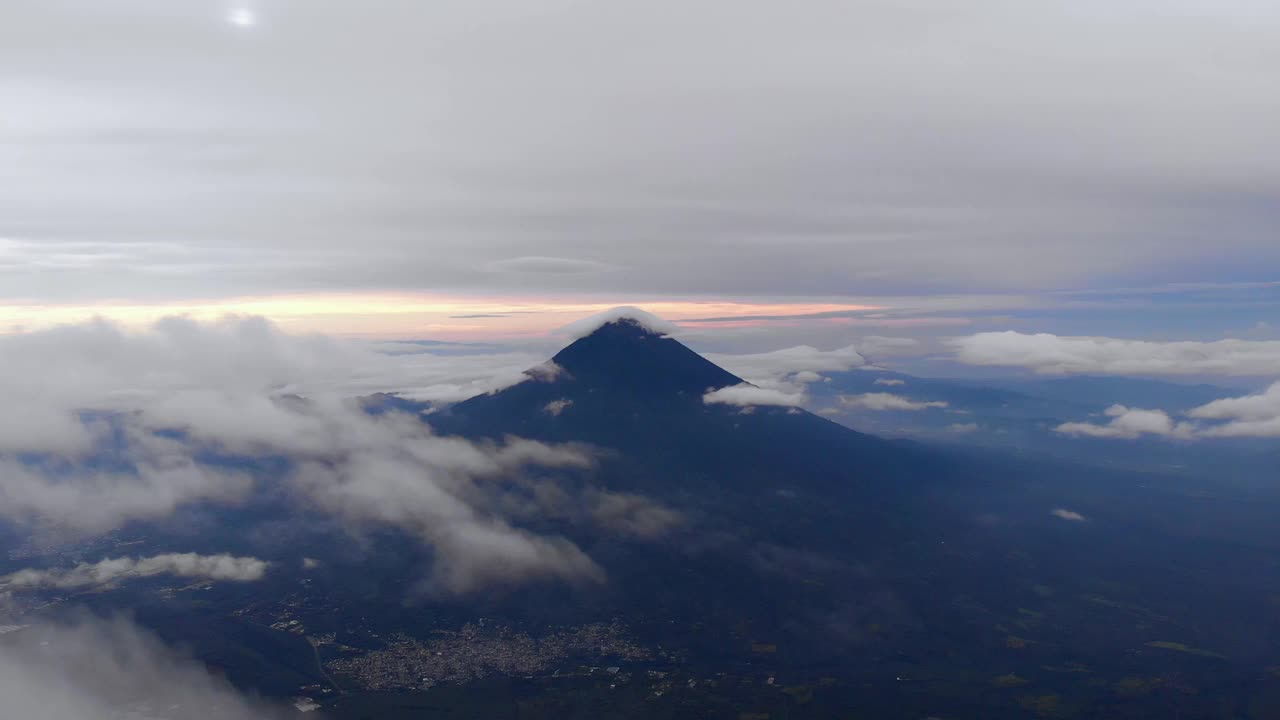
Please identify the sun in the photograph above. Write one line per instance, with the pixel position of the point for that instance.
(242, 17)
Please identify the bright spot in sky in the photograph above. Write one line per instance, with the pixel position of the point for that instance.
(242, 17)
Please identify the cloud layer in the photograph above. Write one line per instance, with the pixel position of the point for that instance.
(490, 155)
(159, 401)
(75, 495)
(887, 401)
(93, 668)
(1060, 355)
(188, 565)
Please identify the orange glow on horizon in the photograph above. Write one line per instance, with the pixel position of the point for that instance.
(401, 315)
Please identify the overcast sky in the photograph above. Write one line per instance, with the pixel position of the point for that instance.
(974, 187)
(990, 164)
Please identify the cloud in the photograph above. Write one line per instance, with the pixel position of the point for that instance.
(891, 382)
(48, 377)
(190, 565)
(610, 513)
(1249, 416)
(781, 376)
(1018, 182)
(1067, 515)
(1061, 355)
(78, 497)
(887, 401)
(646, 320)
(390, 470)
(547, 265)
(178, 368)
(1263, 406)
(747, 395)
(1130, 423)
(166, 399)
(94, 668)
(962, 428)
(477, 555)
(555, 407)
(545, 371)
(633, 515)
(877, 346)
(776, 365)
(1245, 428)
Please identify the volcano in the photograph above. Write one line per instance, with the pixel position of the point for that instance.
(640, 395)
(924, 581)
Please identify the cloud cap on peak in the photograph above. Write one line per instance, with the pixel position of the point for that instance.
(647, 320)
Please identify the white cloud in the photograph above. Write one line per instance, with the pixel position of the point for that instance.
(471, 556)
(777, 364)
(1248, 416)
(746, 395)
(94, 668)
(891, 382)
(48, 376)
(962, 428)
(643, 318)
(1130, 423)
(1067, 515)
(391, 470)
(632, 515)
(1054, 354)
(786, 373)
(887, 401)
(212, 567)
(79, 498)
(229, 387)
(1245, 428)
(555, 407)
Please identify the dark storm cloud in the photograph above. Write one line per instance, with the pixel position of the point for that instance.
(865, 148)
